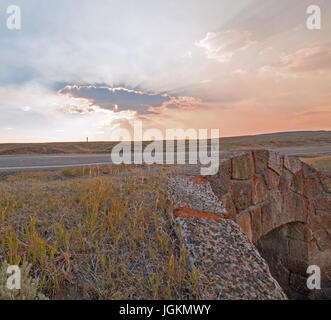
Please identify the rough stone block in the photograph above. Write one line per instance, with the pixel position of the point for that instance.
(242, 167)
(256, 223)
(293, 164)
(260, 160)
(322, 238)
(276, 207)
(297, 183)
(229, 266)
(242, 195)
(321, 229)
(286, 180)
(323, 203)
(293, 209)
(221, 181)
(272, 179)
(244, 221)
(259, 191)
(267, 218)
(326, 182)
(229, 206)
(185, 192)
(275, 162)
(312, 188)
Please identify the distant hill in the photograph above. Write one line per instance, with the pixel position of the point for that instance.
(287, 134)
(262, 141)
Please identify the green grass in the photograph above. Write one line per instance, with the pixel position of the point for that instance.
(101, 233)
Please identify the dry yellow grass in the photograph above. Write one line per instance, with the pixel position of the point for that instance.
(320, 162)
(101, 233)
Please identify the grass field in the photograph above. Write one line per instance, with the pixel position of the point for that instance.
(102, 233)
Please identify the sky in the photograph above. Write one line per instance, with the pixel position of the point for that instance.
(84, 68)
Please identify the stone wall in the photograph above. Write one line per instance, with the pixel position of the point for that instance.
(282, 205)
(223, 262)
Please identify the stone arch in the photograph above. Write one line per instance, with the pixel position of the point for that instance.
(286, 251)
(264, 191)
(270, 196)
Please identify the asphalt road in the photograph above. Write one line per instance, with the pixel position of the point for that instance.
(49, 162)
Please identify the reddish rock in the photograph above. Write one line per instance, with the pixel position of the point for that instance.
(312, 188)
(229, 206)
(267, 218)
(272, 179)
(244, 221)
(321, 229)
(256, 223)
(326, 182)
(275, 162)
(260, 160)
(322, 238)
(297, 183)
(243, 167)
(323, 203)
(293, 209)
(286, 180)
(242, 195)
(276, 208)
(221, 181)
(293, 164)
(259, 191)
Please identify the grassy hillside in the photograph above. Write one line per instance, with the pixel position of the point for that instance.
(102, 233)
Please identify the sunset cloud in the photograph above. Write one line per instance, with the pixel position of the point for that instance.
(123, 99)
(242, 66)
(317, 58)
(222, 46)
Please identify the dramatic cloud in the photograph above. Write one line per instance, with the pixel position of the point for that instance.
(241, 66)
(222, 46)
(122, 99)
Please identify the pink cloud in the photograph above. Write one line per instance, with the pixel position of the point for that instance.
(317, 58)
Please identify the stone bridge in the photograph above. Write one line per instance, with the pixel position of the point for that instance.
(282, 205)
